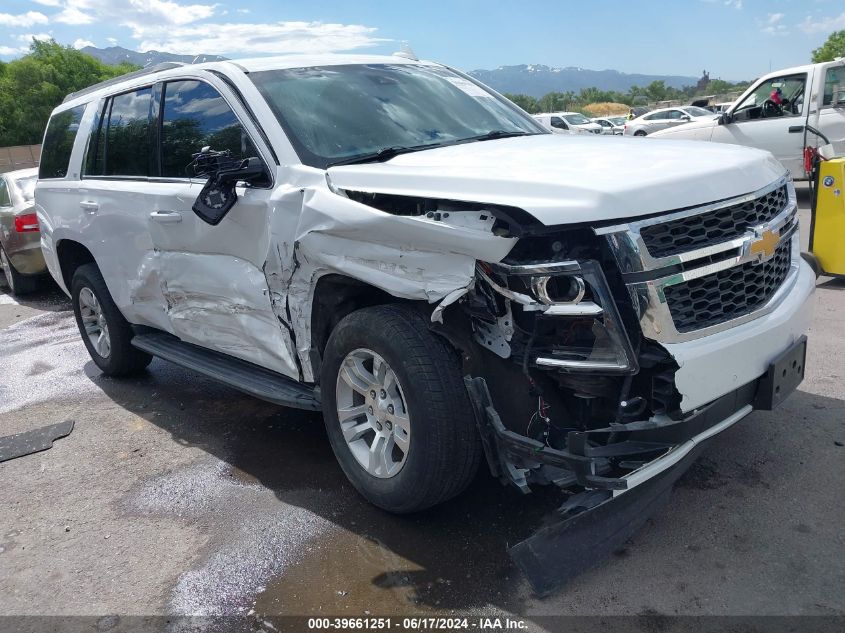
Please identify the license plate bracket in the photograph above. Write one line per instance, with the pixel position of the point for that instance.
(784, 375)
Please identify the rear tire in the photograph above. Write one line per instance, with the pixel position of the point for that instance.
(105, 332)
(17, 283)
(422, 392)
(639, 133)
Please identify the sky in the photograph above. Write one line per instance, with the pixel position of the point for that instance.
(732, 39)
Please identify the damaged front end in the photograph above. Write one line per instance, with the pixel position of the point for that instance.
(576, 373)
(567, 392)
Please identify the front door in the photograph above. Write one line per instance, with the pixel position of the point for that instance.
(771, 117)
(212, 277)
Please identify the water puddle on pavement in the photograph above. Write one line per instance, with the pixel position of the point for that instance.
(450, 559)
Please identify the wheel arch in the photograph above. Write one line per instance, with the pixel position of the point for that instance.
(71, 255)
(336, 296)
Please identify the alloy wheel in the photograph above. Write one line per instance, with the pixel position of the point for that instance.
(94, 322)
(373, 413)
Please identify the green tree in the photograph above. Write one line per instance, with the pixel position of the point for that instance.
(526, 102)
(834, 47)
(30, 87)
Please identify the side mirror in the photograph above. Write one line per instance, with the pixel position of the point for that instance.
(725, 118)
(218, 195)
(686, 119)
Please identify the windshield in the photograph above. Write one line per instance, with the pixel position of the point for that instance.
(27, 186)
(337, 113)
(576, 119)
(617, 120)
(696, 111)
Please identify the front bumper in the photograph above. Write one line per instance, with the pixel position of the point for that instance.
(715, 365)
(595, 460)
(722, 378)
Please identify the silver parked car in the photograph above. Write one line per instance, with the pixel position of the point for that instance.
(610, 124)
(665, 118)
(21, 259)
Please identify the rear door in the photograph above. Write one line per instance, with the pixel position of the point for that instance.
(212, 277)
(113, 203)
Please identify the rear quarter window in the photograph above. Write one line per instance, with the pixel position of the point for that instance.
(58, 142)
(120, 136)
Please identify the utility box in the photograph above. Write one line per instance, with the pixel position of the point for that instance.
(827, 239)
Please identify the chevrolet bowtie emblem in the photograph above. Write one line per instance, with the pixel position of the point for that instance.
(765, 245)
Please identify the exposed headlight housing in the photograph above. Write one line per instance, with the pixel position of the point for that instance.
(577, 326)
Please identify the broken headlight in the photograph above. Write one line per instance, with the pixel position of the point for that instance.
(569, 312)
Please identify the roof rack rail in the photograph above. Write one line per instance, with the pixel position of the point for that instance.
(149, 70)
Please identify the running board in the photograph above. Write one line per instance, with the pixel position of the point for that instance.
(238, 374)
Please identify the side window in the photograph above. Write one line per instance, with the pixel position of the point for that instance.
(657, 116)
(834, 85)
(58, 142)
(5, 200)
(194, 115)
(559, 123)
(120, 141)
(127, 151)
(776, 97)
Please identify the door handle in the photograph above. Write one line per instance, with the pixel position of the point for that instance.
(166, 217)
(796, 129)
(89, 206)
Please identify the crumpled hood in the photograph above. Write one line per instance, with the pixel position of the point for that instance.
(561, 179)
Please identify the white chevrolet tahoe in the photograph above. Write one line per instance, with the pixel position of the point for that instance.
(393, 243)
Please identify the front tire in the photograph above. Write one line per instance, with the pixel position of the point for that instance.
(17, 283)
(105, 332)
(396, 410)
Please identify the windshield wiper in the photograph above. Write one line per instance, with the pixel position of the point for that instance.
(494, 134)
(387, 153)
(381, 155)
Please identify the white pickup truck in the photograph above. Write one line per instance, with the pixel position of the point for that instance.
(773, 114)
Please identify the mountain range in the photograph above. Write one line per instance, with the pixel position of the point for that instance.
(537, 79)
(118, 54)
(530, 79)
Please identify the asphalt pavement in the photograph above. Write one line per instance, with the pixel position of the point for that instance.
(175, 495)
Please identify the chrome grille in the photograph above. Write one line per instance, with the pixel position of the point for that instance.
(729, 293)
(697, 271)
(705, 229)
